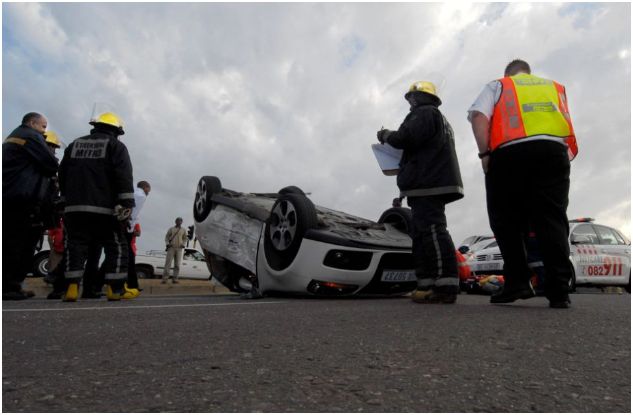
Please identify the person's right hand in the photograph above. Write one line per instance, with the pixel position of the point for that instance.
(484, 164)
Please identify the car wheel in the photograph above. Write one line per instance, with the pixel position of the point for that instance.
(291, 189)
(40, 264)
(572, 281)
(203, 204)
(290, 217)
(144, 273)
(399, 217)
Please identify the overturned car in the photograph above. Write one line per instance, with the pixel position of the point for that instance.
(282, 243)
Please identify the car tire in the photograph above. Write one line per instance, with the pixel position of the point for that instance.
(144, 272)
(399, 217)
(572, 280)
(203, 203)
(291, 189)
(291, 217)
(40, 264)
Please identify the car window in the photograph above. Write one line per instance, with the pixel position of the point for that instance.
(492, 244)
(187, 255)
(198, 256)
(606, 235)
(622, 238)
(587, 231)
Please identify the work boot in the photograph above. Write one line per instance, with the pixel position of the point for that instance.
(72, 293)
(432, 297)
(114, 294)
(130, 293)
(510, 295)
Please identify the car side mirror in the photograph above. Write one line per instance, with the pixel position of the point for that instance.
(580, 239)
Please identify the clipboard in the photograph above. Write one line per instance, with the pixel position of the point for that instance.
(388, 158)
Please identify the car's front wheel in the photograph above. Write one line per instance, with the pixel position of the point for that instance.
(40, 264)
(291, 217)
(203, 203)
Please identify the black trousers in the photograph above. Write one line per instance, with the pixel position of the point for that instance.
(528, 184)
(433, 248)
(20, 234)
(86, 230)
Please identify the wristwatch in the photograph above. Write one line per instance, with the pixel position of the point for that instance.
(484, 154)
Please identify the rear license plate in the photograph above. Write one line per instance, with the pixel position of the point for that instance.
(398, 276)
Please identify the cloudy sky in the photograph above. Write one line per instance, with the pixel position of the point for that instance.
(269, 95)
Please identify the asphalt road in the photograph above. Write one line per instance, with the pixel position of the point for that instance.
(223, 354)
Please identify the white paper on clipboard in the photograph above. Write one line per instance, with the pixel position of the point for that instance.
(388, 158)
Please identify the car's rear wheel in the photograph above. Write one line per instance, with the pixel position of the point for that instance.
(291, 217)
(203, 204)
(291, 189)
(144, 272)
(399, 217)
(40, 264)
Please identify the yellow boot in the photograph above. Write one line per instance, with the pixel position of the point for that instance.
(130, 293)
(112, 295)
(72, 293)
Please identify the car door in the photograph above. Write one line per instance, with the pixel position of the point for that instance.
(584, 254)
(193, 265)
(615, 254)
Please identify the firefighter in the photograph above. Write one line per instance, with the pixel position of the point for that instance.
(526, 140)
(429, 178)
(27, 169)
(96, 182)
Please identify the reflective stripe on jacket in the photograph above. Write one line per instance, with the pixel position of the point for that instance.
(530, 106)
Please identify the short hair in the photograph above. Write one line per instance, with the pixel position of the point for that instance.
(31, 116)
(142, 184)
(515, 66)
(178, 219)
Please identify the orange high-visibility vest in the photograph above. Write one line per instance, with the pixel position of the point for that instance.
(531, 106)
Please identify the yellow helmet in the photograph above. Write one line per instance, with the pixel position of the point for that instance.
(52, 139)
(422, 86)
(109, 118)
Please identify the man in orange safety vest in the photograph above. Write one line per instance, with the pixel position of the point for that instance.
(526, 140)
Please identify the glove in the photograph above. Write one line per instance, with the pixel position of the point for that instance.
(122, 214)
(383, 134)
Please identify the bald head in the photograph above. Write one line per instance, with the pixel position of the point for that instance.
(36, 121)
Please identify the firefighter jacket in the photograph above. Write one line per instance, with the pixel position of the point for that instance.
(429, 165)
(27, 168)
(95, 174)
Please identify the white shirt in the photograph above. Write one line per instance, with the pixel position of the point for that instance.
(485, 104)
(139, 201)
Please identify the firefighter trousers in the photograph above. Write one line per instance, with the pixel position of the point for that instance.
(433, 248)
(84, 230)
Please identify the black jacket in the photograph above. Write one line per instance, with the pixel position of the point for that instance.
(95, 174)
(27, 168)
(429, 165)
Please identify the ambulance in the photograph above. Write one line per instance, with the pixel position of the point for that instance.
(600, 255)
